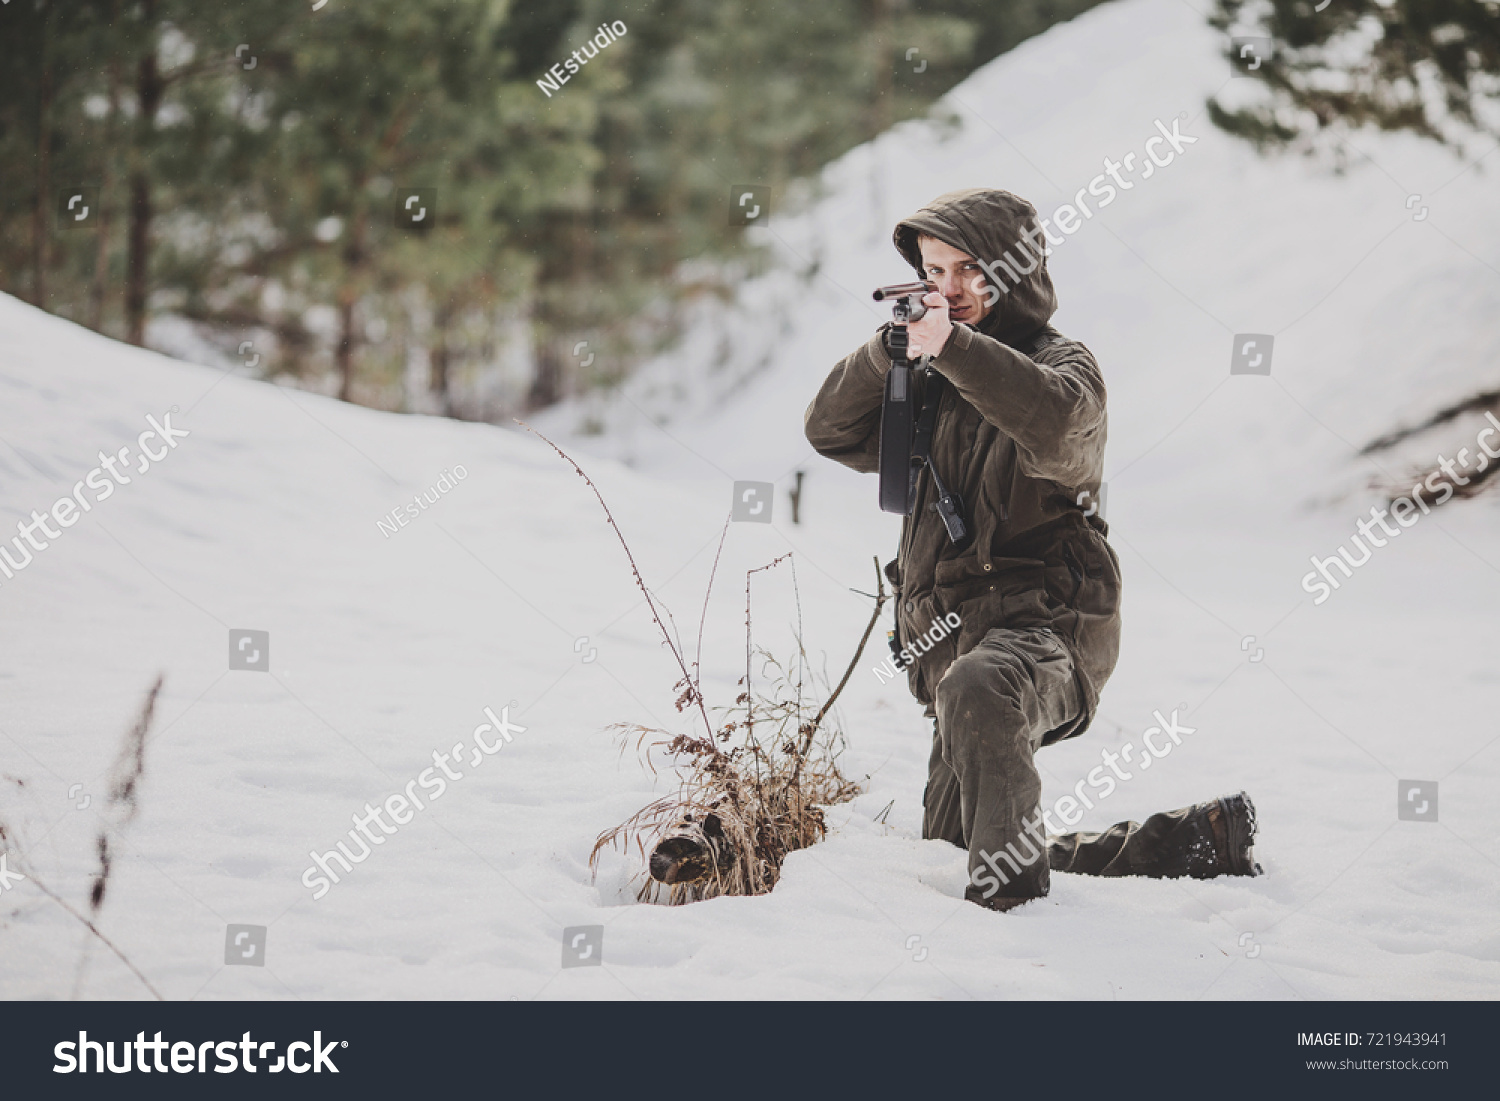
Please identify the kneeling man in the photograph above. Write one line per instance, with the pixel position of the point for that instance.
(1019, 441)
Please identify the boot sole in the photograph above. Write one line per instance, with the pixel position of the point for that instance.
(1239, 832)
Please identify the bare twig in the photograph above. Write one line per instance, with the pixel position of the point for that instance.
(749, 695)
(687, 678)
(92, 928)
(869, 628)
(703, 618)
(801, 650)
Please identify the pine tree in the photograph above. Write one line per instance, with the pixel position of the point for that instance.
(246, 159)
(1428, 66)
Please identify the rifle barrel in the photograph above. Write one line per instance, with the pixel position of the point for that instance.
(899, 290)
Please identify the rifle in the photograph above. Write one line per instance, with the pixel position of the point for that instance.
(898, 418)
(905, 435)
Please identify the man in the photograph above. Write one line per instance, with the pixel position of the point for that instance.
(1019, 439)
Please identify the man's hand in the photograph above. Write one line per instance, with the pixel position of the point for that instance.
(931, 333)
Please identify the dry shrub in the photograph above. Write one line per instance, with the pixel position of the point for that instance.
(746, 804)
(751, 790)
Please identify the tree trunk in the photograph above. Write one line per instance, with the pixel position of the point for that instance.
(39, 211)
(549, 318)
(106, 188)
(439, 360)
(884, 69)
(880, 112)
(354, 262)
(149, 89)
(138, 244)
(344, 357)
(547, 384)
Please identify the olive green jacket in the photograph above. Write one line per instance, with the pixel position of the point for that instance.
(1019, 437)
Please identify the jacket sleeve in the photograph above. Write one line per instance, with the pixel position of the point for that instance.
(843, 421)
(1054, 411)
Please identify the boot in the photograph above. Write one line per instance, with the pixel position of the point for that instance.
(690, 850)
(1231, 818)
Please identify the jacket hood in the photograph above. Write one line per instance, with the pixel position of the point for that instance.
(990, 225)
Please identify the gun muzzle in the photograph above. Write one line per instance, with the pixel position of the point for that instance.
(900, 290)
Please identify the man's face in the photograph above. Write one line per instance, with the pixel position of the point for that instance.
(956, 274)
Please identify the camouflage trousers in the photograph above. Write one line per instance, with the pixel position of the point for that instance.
(995, 706)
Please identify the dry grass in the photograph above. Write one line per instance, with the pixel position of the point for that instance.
(753, 788)
(1395, 486)
(120, 808)
(749, 795)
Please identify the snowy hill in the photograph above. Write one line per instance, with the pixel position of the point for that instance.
(507, 592)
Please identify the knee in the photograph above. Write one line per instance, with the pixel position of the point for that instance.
(958, 691)
(976, 702)
(975, 685)
(965, 674)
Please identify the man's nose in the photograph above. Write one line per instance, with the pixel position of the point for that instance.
(949, 286)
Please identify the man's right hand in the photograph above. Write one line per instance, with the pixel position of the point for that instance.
(930, 334)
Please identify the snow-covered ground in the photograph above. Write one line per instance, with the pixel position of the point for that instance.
(510, 592)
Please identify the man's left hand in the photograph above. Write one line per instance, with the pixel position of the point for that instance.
(930, 334)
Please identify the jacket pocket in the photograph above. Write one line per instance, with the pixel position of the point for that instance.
(1011, 593)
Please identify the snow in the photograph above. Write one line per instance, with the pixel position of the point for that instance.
(385, 648)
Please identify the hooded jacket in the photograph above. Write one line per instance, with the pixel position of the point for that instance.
(1019, 437)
